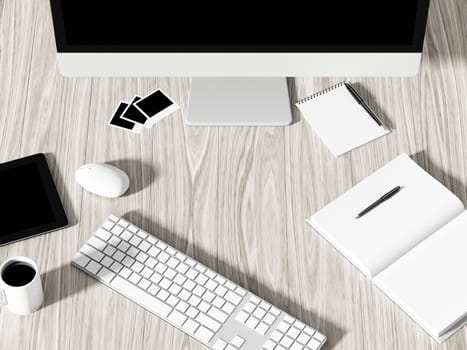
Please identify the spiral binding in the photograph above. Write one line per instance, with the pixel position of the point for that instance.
(319, 93)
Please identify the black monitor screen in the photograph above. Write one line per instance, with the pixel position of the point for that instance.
(240, 25)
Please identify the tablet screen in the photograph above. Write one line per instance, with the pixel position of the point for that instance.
(30, 201)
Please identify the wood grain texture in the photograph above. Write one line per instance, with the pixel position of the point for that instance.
(233, 198)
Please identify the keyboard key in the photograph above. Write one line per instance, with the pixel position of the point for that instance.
(147, 272)
(137, 267)
(172, 300)
(269, 345)
(219, 344)
(103, 234)
(169, 273)
(132, 251)
(199, 291)
(150, 303)
(107, 261)
(172, 262)
(126, 235)
(118, 255)
(190, 262)
(211, 285)
(262, 328)
(93, 267)
(170, 250)
(184, 295)
(123, 223)
(127, 261)
(109, 250)
(108, 225)
(144, 283)
(286, 342)
(180, 279)
(228, 308)
(92, 253)
(201, 279)
(153, 251)
(293, 332)
(116, 230)
(218, 301)
(269, 319)
(297, 346)
(204, 334)
(114, 240)
(208, 322)
(192, 273)
(175, 289)
(151, 239)
(208, 296)
(252, 322)
(313, 344)
(144, 246)
(221, 290)
(318, 336)
(133, 229)
(155, 277)
(259, 313)
(135, 278)
(163, 257)
(190, 285)
(135, 240)
(123, 246)
(142, 234)
(192, 312)
(116, 267)
(275, 311)
(194, 300)
(190, 326)
(141, 257)
(217, 314)
(204, 306)
(125, 272)
(165, 283)
(233, 298)
(177, 318)
(303, 338)
(230, 285)
(162, 295)
(249, 307)
(242, 316)
(237, 341)
(182, 306)
(161, 245)
(153, 289)
(81, 259)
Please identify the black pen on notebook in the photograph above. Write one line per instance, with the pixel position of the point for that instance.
(361, 102)
(382, 199)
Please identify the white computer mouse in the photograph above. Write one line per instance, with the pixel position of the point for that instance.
(103, 179)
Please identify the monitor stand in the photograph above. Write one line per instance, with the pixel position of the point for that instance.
(239, 101)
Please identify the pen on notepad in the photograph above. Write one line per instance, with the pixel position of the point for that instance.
(360, 101)
(382, 199)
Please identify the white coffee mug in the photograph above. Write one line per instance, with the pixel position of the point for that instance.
(22, 293)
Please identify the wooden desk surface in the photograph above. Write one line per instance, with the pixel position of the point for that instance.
(234, 198)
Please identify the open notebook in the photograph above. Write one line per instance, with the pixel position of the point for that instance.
(413, 246)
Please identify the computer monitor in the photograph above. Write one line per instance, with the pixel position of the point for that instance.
(255, 43)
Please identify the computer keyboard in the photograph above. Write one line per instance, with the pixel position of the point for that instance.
(187, 294)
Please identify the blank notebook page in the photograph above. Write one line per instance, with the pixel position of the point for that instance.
(430, 282)
(341, 122)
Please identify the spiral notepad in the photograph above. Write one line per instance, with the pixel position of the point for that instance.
(339, 119)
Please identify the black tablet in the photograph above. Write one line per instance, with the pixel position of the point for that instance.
(30, 202)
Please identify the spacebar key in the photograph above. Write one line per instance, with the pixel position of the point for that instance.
(137, 295)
